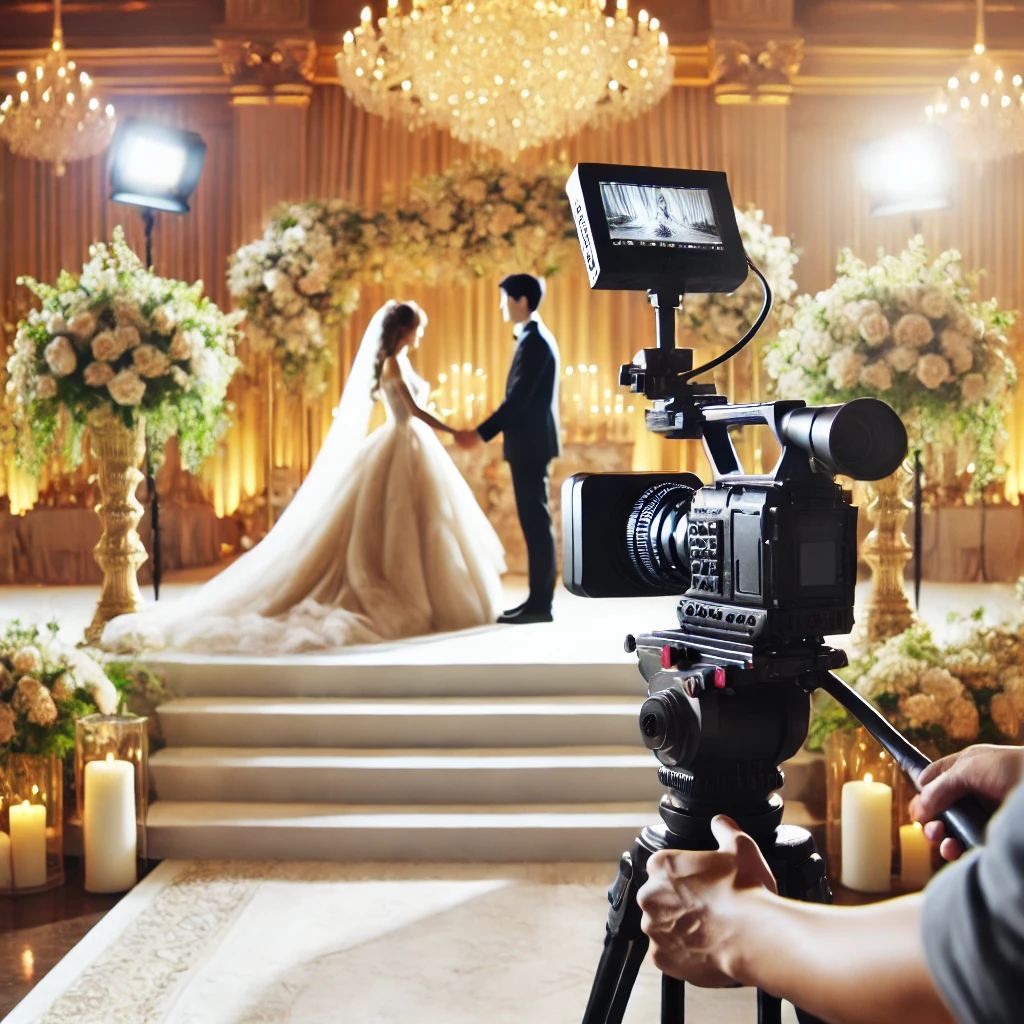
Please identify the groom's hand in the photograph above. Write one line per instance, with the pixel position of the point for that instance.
(468, 438)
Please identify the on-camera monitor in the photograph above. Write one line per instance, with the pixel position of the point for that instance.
(660, 216)
(660, 229)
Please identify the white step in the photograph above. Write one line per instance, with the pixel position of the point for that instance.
(446, 722)
(558, 775)
(260, 831)
(339, 832)
(370, 677)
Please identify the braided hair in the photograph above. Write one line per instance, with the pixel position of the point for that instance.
(402, 318)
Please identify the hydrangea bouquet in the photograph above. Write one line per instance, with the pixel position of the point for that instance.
(45, 686)
(905, 330)
(120, 336)
(720, 317)
(301, 279)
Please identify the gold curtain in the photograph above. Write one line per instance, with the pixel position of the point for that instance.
(799, 164)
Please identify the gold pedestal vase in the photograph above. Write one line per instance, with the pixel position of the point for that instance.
(118, 451)
(887, 551)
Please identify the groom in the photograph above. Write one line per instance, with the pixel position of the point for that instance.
(528, 418)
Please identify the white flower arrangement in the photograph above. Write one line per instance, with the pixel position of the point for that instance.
(905, 330)
(119, 335)
(942, 696)
(302, 279)
(720, 317)
(479, 219)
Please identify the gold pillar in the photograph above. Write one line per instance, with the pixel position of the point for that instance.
(754, 54)
(268, 53)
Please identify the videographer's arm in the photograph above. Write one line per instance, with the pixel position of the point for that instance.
(715, 916)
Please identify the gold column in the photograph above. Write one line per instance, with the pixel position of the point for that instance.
(754, 54)
(268, 53)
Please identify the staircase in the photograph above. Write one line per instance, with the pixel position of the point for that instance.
(316, 759)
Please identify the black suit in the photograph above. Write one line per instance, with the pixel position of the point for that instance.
(528, 419)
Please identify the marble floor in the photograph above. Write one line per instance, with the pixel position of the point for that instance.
(248, 942)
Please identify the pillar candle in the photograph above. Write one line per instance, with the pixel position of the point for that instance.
(867, 836)
(28, 845)
(5, 861)
(109, 826)
(915, 855)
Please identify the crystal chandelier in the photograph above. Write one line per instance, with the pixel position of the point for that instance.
(55, 117)
(508, 74)
(982, 106)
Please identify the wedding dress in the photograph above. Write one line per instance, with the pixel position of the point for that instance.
(383, 540)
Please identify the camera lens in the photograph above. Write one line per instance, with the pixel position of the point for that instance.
(656, 536)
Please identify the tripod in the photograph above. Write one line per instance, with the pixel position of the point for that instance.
(799, 873)
(730, 738)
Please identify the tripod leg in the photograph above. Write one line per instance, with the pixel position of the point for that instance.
(673, 1000)
(769, 1009)
(625, 945)
(613, 983)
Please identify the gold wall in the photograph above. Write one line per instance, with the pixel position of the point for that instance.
(797, 162)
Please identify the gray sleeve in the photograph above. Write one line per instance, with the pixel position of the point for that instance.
(973, 925)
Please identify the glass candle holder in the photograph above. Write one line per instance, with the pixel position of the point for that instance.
(114, 739)
(31, 824)
(850, 756)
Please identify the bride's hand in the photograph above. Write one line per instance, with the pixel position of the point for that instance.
(467, 438)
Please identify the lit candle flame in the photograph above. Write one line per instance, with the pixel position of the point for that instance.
(110, 758)
(868, 777)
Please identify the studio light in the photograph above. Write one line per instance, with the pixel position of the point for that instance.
(154, 166)
(911, 172)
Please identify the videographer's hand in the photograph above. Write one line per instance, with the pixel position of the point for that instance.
(695, 903)
(984, 770)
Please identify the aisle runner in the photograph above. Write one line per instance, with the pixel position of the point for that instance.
(317, 943)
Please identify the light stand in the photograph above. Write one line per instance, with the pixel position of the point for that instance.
(156, 168)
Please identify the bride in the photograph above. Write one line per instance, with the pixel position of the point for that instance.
(383, 540)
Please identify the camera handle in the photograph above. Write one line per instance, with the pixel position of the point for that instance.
(967, 819)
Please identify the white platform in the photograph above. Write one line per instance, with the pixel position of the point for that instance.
(496, 744)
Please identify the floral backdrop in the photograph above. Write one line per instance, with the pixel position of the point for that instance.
(301, 279)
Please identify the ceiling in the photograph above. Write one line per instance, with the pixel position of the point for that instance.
(887, 23)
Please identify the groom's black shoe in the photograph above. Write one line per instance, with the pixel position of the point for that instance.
(513, 611)
(526, 615)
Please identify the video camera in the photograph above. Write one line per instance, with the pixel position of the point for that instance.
(764, 565)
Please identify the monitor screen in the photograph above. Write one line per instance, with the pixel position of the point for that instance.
(660, 216)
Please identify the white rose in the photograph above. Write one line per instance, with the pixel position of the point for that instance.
(127, 336)
(28, 659)
(844, 367)
(150, 361)
(934, 304)
(902, 359)
(179, 347)
(909, 299)
(46, 386)
(56, 324)
(127, 312)
(874, 329)
(877, 375)
(127, 388)
(913, 330)
(60, 357)
(83, 325)
(97, 374)
(958, 349)
(163, 320)
(932, 370)
(972, 388)
(105, 346)
(181, 378)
